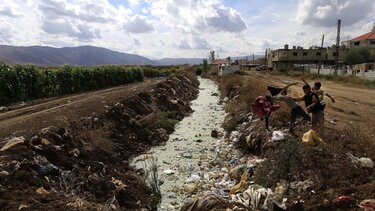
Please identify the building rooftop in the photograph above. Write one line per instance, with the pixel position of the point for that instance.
(367, 36)
(219, 61)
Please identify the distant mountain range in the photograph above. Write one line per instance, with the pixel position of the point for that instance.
(83, 55)
(176, 61)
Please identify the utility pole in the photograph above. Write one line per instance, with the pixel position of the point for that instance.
(337, 46)
(253, 59)
(320, 59)
(265, 59)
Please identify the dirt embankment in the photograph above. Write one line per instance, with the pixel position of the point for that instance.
(310, 177)
(25, 119)
(85, 166)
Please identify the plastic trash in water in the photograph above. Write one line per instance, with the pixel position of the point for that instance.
(193, 178)
(169, 172)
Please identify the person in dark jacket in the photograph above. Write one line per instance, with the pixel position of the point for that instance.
(314, 107)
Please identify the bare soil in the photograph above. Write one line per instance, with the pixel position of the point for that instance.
(26, 119)
(353, 105)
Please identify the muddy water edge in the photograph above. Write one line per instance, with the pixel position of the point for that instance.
(181, 162)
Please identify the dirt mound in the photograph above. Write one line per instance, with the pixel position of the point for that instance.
(85, 166)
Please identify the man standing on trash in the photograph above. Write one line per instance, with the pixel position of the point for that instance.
(314, 107)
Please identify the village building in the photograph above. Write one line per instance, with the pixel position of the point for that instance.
(286, 58)
(215, 65)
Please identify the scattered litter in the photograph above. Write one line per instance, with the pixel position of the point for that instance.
(119, 184)
(345, 199)
(41, 191)
(4, 173)
(169, 172)
(311, 138)
(189, 188)
(3, 109)
(242, 185)
(75, 152)
(281, 188)
(22, 206)
(277, 136)
(48, 169)
(193, 178)
(237, 171)
(208, 202)
(334, 122)
(367, 204)
(166, 162)
(12, 142)
(363, 162)
(301, 186)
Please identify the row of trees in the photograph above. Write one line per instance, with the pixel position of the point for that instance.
(27, 82)
(358, 55)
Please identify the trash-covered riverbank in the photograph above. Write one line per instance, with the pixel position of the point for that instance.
(291, 171)
(85, 166)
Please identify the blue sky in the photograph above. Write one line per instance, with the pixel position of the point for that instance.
(188, 28)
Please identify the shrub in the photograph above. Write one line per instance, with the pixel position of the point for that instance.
(198, 71)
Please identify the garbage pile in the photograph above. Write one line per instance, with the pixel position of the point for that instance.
(85, 166)
(276, 170)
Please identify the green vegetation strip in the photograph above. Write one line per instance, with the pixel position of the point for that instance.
(27, 82)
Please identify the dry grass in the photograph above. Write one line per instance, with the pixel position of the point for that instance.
(245, 88)
(354, 139)
(96, 140)
(241, 92)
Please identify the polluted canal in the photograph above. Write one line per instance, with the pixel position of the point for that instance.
(189, 164)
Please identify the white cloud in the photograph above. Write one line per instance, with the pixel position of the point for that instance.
(70, 29)
(138, 24)
(8, 11)
(326, 12)
(200, 43)
(184, 45)
(5, 31)
(189, 28)
(133, 3)
(198, 16)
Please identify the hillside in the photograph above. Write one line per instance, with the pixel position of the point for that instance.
(83, 55)
(177, 61)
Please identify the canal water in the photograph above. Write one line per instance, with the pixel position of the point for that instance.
(189, 160)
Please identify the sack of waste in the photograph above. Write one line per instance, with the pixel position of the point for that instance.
(311, 138)
(363, 162)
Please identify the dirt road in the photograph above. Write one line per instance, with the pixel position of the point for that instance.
(27, 119)
(353, 105)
